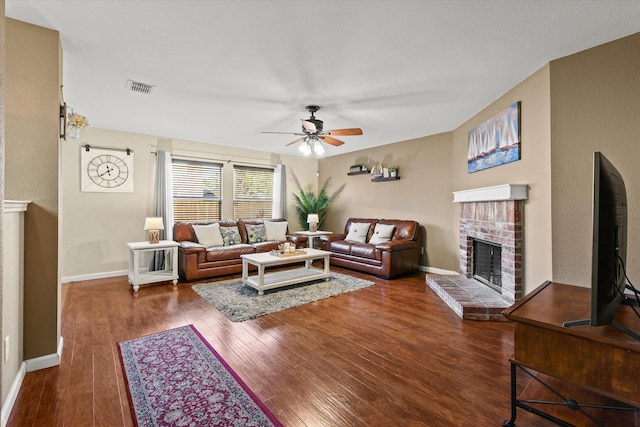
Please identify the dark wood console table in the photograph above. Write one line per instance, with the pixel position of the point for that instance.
(599, 360)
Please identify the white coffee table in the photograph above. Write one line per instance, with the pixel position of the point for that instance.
(263, 281)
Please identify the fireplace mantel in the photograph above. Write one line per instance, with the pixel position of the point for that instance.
(495, 193)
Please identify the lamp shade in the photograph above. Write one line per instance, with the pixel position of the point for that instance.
(313, 218)
(153, 223)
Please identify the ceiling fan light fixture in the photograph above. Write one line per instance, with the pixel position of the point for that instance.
(318, 148)
(305, 148)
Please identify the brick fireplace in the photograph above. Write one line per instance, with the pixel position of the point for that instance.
(491, 215)
(497, 221)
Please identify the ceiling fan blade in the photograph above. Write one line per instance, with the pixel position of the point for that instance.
(308, 126)
(331, 141)
(345, 132)
(286, 133)
(297, 140)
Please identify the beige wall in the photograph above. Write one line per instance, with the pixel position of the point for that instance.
(97, 226)
(423, 192)
(32, 90)
(533, 169)
(595, 105)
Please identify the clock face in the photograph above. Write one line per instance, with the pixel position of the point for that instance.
(105, 170)
(108, 171)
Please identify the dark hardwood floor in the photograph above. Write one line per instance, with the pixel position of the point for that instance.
(389, 355)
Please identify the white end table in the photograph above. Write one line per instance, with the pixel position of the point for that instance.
(312, 235)
(140, 274)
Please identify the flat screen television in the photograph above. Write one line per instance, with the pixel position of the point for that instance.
(609, 246)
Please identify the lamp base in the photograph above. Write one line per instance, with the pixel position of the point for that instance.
(313, 227)
(154, 236)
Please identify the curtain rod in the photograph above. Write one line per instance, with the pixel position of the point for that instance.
(88, 147)
(217, 160)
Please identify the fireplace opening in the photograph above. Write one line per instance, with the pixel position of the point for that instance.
(487, 264)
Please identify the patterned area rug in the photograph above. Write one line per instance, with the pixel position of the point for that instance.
(240, 302)
(175, 378)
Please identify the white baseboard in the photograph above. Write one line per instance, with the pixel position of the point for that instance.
(94, 276)
(434, 270)
(47, 361)
(7, 405)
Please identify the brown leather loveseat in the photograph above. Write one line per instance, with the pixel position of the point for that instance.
(384, 247)
(201, 260)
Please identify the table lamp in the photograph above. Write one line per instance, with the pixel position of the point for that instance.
(154, 225)
(313, 221)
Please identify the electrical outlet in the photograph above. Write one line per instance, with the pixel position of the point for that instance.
(6, 349)
(422, 250)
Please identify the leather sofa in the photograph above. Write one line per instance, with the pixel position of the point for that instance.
(197, 261)
(388, 259)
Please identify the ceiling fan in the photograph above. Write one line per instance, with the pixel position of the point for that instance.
(313, 134)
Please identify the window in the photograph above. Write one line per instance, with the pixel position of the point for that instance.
(252, 192)
(197, 191)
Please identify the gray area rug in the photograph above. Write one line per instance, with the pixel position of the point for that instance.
(240, 302)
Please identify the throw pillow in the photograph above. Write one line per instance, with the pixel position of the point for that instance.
(230, 235)
(276, 230)
(209, 235)
(382, 233)
(358, 232)
(256, 233)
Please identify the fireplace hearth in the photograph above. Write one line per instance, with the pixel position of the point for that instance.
(494, 217)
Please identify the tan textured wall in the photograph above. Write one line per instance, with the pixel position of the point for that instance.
(595, 105)
(97, 226)
(423, 192)
(534, 169)
(31, 171)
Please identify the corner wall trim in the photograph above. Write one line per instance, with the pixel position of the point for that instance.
(93, 276)
(435, 270)
(7, 405)
(47, 361)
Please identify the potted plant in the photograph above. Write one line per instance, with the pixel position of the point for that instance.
(393, 171)
(312, 201)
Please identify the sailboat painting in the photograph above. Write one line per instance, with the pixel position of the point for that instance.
(496, 141)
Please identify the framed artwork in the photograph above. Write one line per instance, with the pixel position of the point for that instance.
(106, 170)
(496, 141)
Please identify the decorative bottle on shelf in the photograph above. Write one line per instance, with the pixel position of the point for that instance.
(376, 170)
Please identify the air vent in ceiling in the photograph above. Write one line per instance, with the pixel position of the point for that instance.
(139, 87)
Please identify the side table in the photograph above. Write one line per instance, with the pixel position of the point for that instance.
(140, 274)
(312, 235)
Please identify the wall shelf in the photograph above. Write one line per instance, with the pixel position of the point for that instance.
(389, 178)
(358, 173)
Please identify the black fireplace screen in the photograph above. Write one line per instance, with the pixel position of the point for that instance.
(487, 265)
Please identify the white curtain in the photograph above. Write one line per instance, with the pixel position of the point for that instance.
(279, 209)
(163, 200)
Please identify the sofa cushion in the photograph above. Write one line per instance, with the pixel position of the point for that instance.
(381, 233)
(208, 235)
(231, 252)
(364, 250)
(276, 230)
(341, 247)
(358, 232)
(230, 235)
(256, 233)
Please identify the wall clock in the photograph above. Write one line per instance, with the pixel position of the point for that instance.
(106, 170)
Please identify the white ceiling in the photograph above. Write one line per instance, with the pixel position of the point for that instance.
(224, 71)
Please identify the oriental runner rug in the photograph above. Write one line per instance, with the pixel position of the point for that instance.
(175, 378)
